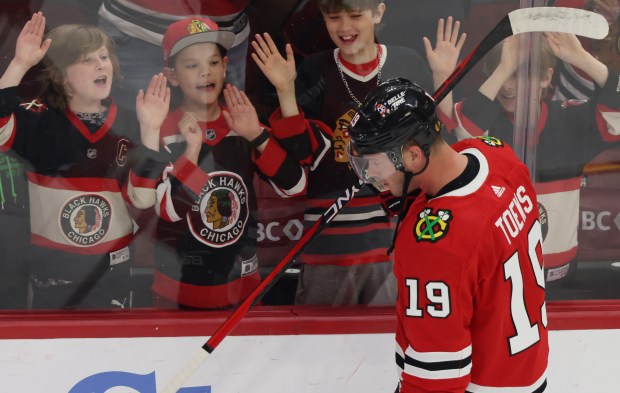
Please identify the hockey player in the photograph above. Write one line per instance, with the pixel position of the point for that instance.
(83, 155)
(570, 134)
(206, 251)
(348, 263)
(471, 312)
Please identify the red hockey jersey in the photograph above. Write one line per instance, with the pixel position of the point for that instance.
(471, 304)
(570, 134)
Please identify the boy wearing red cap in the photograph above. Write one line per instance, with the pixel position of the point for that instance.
(206, 253)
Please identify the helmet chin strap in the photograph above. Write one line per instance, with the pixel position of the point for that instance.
(403, 196)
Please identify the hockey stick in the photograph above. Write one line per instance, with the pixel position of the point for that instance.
(568, 20)
(527, 20)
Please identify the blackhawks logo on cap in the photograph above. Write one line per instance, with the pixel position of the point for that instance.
(432, 227)
(197, 26)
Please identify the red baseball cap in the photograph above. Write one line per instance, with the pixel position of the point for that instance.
(193, 30)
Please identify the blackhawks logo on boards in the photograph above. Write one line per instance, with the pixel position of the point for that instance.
(432, 227)
(491, 141)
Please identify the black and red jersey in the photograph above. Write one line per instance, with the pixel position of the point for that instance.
(206, 256)
(71, 169)
(362, 232)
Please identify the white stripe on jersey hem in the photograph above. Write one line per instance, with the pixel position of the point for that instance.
(432, 357)
(438, 374)
(472, 387)
(437, 357)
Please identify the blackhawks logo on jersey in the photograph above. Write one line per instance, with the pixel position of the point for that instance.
(491, 141)
(85, 219)
(220, 213)
(340, 139)
(432, 227)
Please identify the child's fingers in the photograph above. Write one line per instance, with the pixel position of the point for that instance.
(139, 97)
(259, 62)
(228, 118)
(261, 42)
(455, 32)
(461, 42)
(46, 44)
(244, 98)
(227, 98)
(259, 51)
(236, 94)
(151, 87)
(448, 29)
(162, 86)
(167, 96)
(27, 28)
(440, 25)
(290, 55)
(39, 26)
(272, 45)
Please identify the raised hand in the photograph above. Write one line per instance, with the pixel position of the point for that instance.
(565, 46)
(29, 50)
(444, 57)
(152, 107)
(568, 48)
(30, 46)
(281, 72)
(509, 59)
(240, 114)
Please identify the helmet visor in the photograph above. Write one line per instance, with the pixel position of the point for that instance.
(372, 168)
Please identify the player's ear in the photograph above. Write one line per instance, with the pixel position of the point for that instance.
(378, 13)
(412, 155)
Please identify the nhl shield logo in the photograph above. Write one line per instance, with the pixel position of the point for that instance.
(210, 134)
(218, 217)
(85, 219)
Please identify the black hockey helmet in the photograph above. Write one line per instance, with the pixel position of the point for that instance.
(393, 113)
